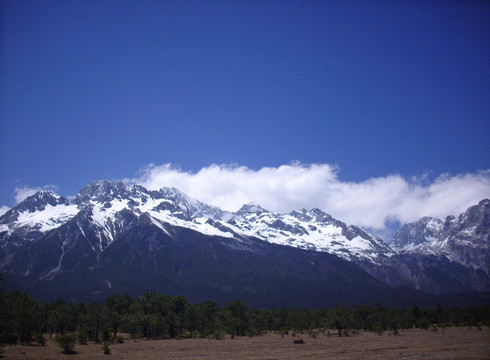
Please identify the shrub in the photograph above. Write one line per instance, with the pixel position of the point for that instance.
(106, 349)
(9, 339)
(82, 336)
(217, 335)
(106, 334)
(39, 338)
(251, 332)
(378, 329)
(119, 339)
(25, 336)
(67, 342)
(423, 323)
(283, 331)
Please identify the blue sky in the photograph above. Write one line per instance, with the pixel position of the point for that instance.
(368, 89)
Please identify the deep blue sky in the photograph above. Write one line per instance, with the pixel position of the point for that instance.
(99, 89)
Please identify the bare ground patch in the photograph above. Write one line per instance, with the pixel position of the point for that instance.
(450, 343)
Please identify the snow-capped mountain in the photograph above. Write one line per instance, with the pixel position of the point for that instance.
(102, 202)
(308, 229)
(464, 240)
(33, 217)
(113, 231)
(116, 237)
(418, 234)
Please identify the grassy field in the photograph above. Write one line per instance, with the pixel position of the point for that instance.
(449, 343)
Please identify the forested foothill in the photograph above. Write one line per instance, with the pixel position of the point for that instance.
(157, 316)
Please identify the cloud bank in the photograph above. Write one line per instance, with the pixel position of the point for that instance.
(3, 209)
(372, 203)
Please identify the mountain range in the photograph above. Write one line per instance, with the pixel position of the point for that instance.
(115, 237)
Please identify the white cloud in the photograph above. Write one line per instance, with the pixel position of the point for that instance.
(21, 193)
(371, 203)
(3, 210)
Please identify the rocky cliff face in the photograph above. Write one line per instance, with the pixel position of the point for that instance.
(464, 239)
(445, 256)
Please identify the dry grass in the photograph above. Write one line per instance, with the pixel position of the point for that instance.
(450, 343)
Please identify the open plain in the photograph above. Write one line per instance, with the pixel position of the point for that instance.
(450, 343)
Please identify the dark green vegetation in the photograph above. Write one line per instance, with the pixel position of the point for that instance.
(154, 315)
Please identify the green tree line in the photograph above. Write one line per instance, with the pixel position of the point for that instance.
(155, 315)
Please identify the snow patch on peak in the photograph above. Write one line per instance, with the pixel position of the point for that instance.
(159, 224)
(311, 230)
(200, 224)
(104, 216)
(435, 225)
(49, 218)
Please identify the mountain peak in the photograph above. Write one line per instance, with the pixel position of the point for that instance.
(463, 239)
(190, 207)
(174, 193)
(103, 191)
(484, 202)
(423, 231)
(39, 201)
(35, 202)
(251, 208)
(35, 215)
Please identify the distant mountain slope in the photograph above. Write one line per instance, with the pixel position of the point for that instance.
(102, 201)
(445, 256)
(464, 240)
(117, 237)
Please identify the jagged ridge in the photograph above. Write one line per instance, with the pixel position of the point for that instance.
(57, 235)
